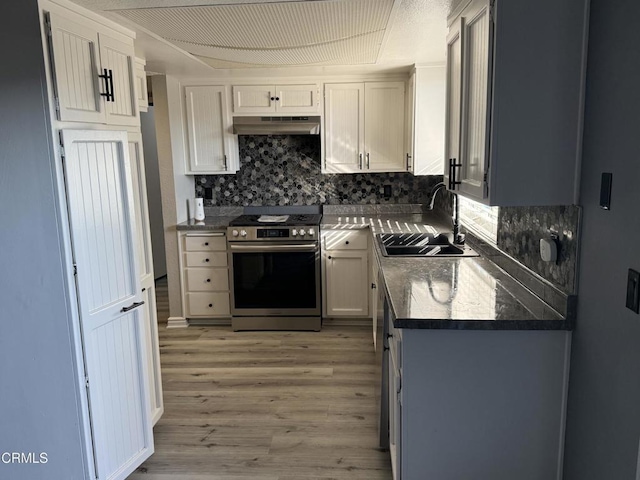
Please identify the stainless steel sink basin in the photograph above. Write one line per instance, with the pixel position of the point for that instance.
(421, 245)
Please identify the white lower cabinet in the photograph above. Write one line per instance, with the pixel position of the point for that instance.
(205, 275)
(345, 259)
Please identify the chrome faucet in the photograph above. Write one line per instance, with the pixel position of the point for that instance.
(458, 238)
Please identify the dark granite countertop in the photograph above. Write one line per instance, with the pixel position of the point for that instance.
(448, 292)
(215, 222)
(437, 293)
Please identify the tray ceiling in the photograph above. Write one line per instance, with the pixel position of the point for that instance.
(290, 33)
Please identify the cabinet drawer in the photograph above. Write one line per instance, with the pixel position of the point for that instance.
(206, 259)
(207, 279)
(208, 304)
(346, 239)
(205, 243)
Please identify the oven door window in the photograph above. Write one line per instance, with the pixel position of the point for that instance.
(278, 280)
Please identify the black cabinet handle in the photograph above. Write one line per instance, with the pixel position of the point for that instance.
(347, 242)
(144, 289)
(113, 93)
(206, 260)
(453, 181)
(373, 285)
(107, 76)
(211, 305)
(208, 280)
(277, 99)
(131, 307)
(206, 244)
(329, 257)
(273, 98)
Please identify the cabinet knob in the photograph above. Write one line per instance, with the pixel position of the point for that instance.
(373, 285)
(277, 99)
(206, 244)
(329, 257)
(273, 98)
(208, 280)
(210, 305)
(206, 260)
(347, 242)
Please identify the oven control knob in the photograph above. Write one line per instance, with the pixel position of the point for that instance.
(311, 232)
(243, 233)
(294, 233)
(235, 233)
(302, 232)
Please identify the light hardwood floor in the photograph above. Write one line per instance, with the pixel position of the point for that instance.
(265, 405)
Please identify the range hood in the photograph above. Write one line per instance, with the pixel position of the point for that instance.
(276, 125)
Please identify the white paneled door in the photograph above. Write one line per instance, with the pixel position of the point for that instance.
(102, 215)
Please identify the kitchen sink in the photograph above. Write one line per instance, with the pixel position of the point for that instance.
(421, 245)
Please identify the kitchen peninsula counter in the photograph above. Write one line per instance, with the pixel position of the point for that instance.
(460, 293)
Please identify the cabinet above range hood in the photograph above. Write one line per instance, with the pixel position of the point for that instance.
(276, 125)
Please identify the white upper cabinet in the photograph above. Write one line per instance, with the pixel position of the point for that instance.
(141, 85)
(94, 72)
(364, 127)
(425, 120)
(344, 127)
(384, 127)
(212, 147)
(515, 87)
(282, 99)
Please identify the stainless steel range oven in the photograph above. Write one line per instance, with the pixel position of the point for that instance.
(275, 275)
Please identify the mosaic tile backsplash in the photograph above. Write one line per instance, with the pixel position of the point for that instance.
(520, 230)
(285, 170)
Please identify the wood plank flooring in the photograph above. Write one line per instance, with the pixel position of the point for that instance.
(265, 405)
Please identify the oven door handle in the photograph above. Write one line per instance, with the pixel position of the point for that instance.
(302, 247)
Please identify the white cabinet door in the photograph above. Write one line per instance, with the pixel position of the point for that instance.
(102, 216)
(147, 277)
(344, 127)
(296, 99)
(75, 56)
(384, 127)
(207, 124)
(347, 283)
(428, 130)
(141, 86)
(88, 65)
(254, 99)
(117, 58)
(475, 111)
(453, 98)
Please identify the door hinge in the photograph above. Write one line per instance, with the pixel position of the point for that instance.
(60, 141)
(75, 269)
(486, 184)
(492, 6)
(86, 381)
(47, 25)
(57, 104)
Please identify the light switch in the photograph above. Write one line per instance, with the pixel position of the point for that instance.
(605, 191)
(633, 291)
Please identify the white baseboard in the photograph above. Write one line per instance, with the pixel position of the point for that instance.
(212, 322)
(177, 322)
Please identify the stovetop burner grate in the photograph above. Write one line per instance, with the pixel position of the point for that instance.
(293, 220)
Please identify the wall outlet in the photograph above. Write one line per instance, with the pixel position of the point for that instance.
(633, 291)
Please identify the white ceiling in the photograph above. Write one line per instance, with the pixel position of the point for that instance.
(243, 34)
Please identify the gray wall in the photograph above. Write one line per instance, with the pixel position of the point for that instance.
(604, 396)
(154, 197)
(38, 397)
